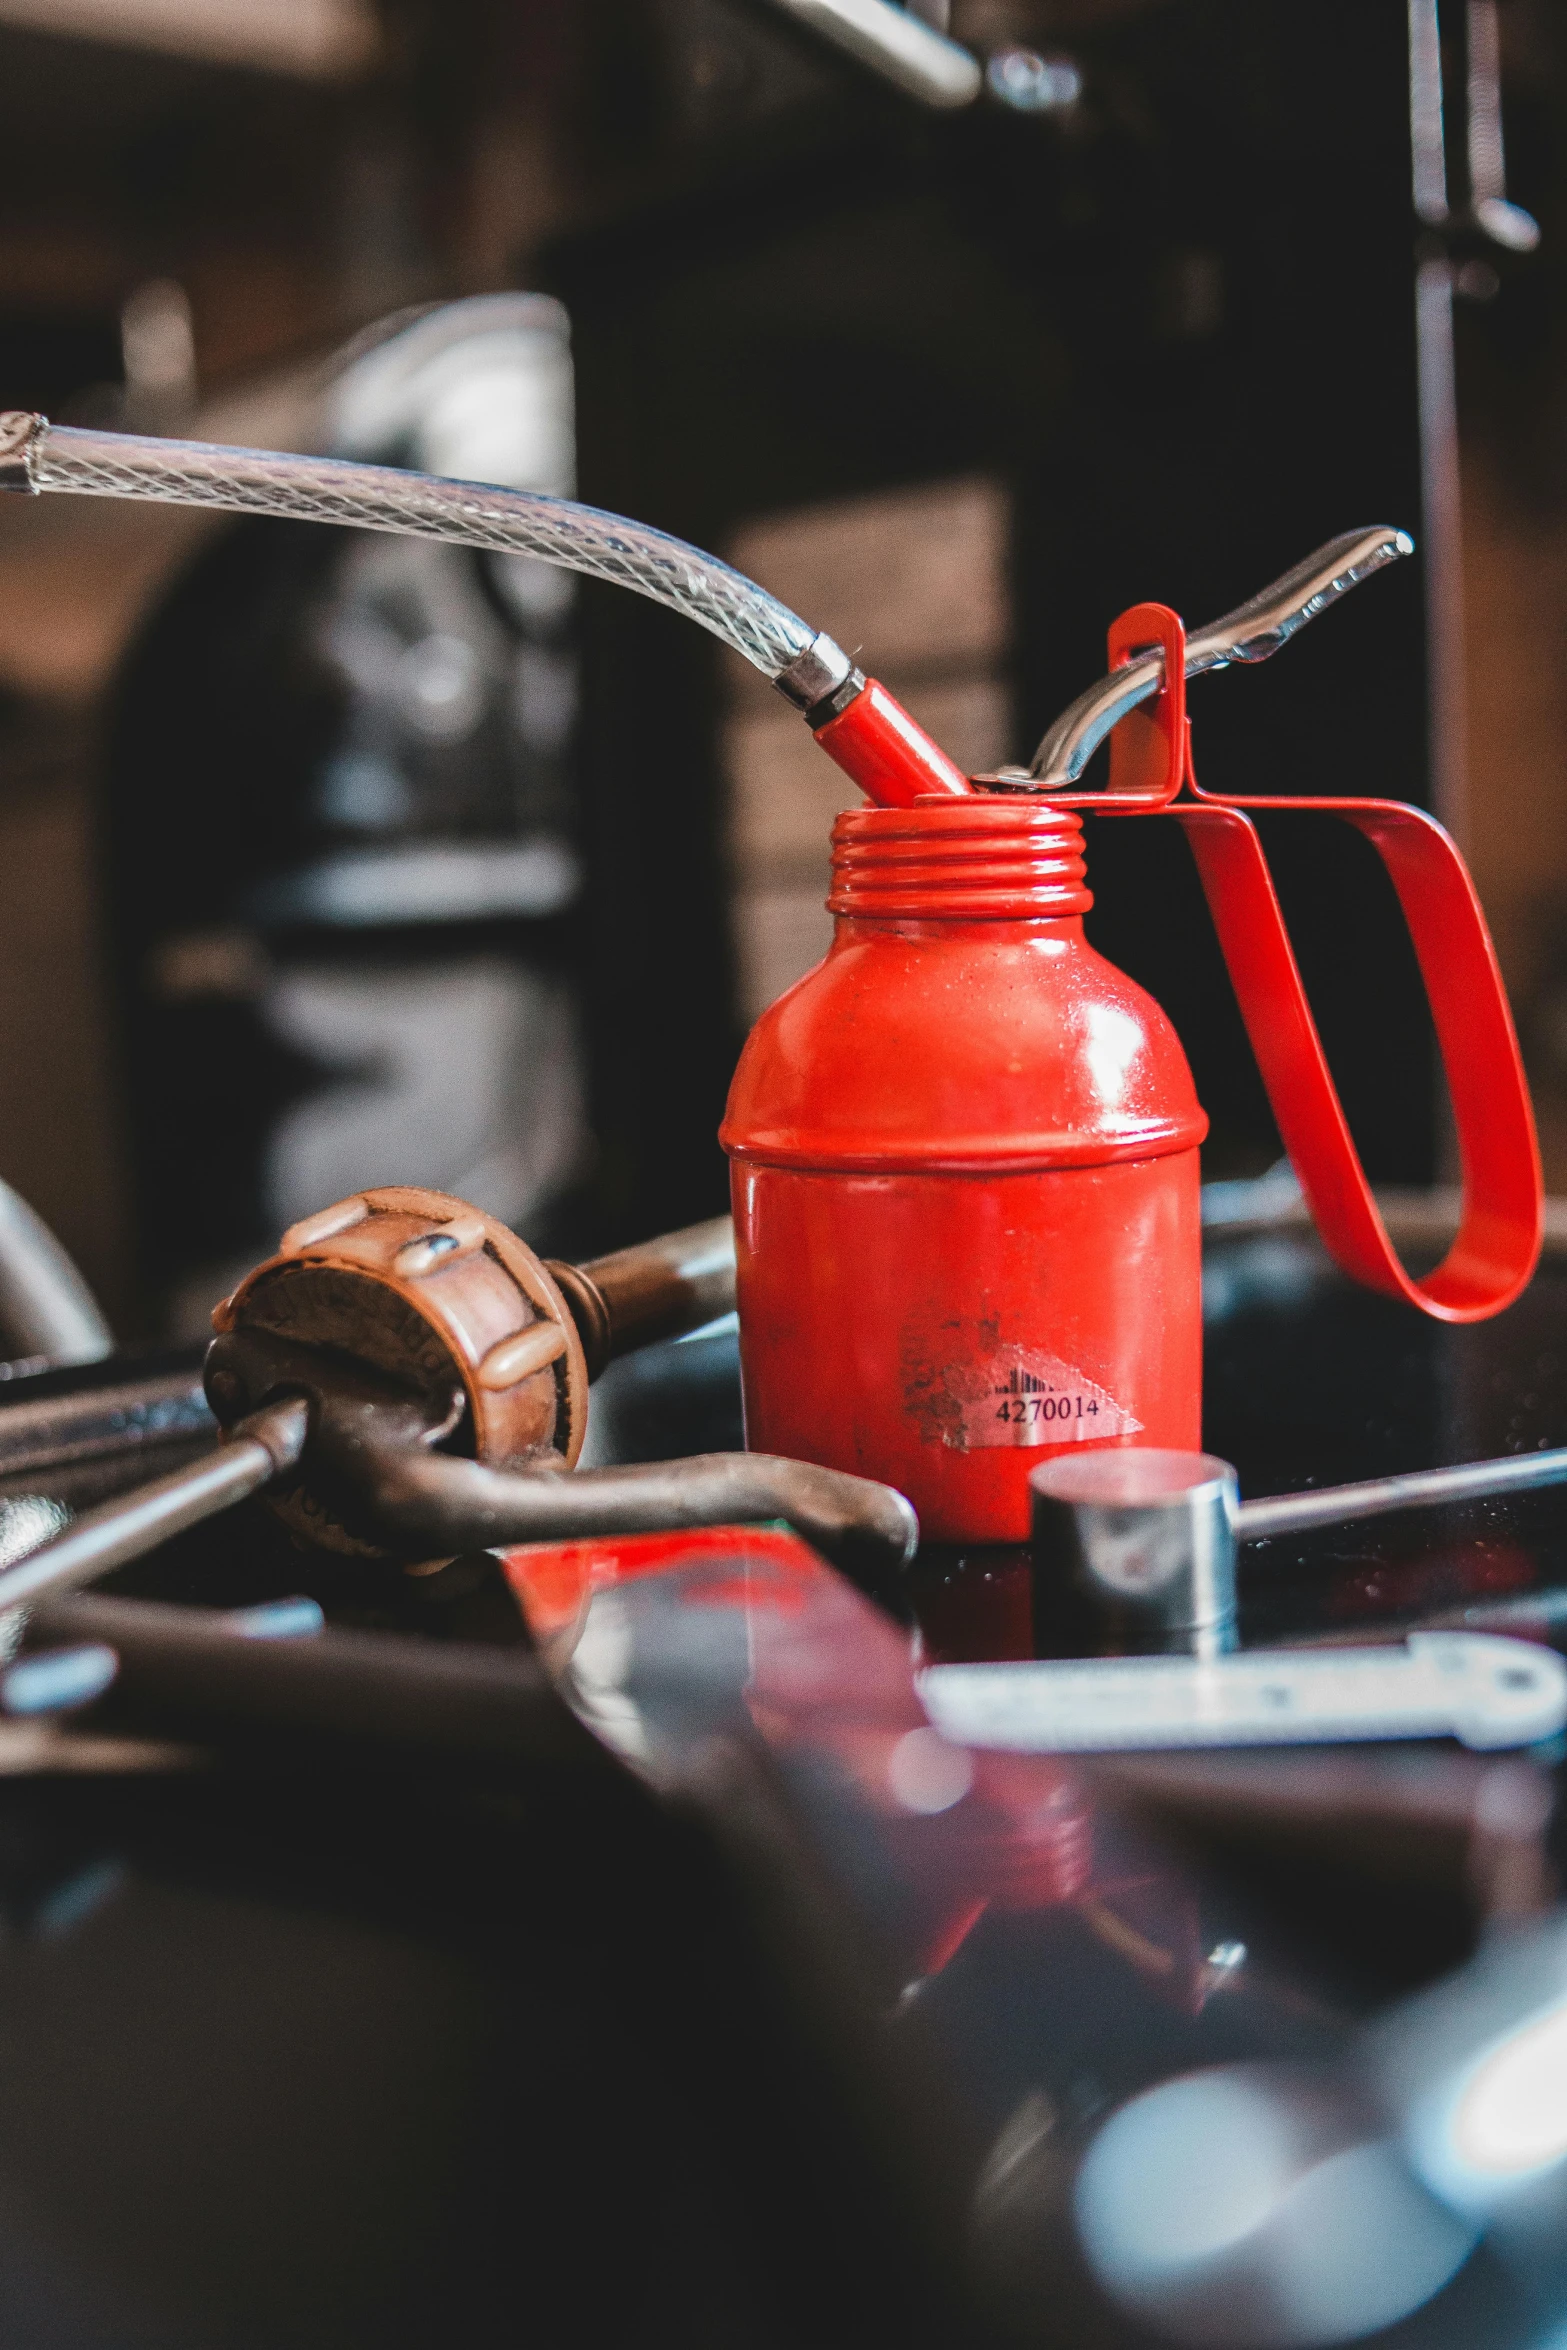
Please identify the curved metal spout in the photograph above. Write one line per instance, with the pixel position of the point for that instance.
(1252, 632)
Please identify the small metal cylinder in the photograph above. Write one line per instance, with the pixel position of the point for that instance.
(1134, 1554)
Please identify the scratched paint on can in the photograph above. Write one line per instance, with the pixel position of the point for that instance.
(1023, 1396)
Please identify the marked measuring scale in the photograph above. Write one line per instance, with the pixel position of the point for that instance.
(1484, 1691)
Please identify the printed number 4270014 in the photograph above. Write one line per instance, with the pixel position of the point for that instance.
(1021, 1410)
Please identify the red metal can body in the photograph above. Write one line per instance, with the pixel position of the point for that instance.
(965, 1179)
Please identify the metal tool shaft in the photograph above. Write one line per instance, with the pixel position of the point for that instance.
(658, 1289)
(92, 1422)
(1378, 1497)
(1135, 1549)
(193, 1673)
(121, 1530)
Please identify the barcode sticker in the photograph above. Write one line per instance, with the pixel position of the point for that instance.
(1022, 1397)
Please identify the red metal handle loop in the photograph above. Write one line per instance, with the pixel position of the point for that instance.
(1499, 1237)
(1148, 748)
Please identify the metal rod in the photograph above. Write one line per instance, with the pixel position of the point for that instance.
(656, 1289)
(1441, 495)
(197, 1672)
(118, 1531)
(1428, 140)
(660, 1288)
(903, 48)
(1487, 163)
(125, 1415)
(1292, 1513)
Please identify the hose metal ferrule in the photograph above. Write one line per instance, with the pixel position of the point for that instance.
(815, 675)
(833, 705)
(19, 432)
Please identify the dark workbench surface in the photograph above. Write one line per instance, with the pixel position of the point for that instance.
(294, 2054)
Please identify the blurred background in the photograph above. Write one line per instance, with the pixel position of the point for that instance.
(328, 859)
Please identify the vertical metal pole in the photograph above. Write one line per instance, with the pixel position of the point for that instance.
(1427, 144)
(1441, 498)
(1487, 164)
(1446, 711)
(1436, 392)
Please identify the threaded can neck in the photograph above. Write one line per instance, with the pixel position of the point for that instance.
(975, 860)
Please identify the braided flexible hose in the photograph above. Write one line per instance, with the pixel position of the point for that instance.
(418, 505)
(856, 721)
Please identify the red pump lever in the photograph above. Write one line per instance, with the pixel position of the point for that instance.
(875, 741)
(1499, 1238)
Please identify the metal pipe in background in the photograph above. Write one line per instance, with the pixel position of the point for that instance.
(48, 1315)
(895, 43)
(1440, 273)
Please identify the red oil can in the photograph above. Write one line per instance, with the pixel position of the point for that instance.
(965, 1176)
(964, 1149)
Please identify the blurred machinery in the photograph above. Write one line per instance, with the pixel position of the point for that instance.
(341, 848)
